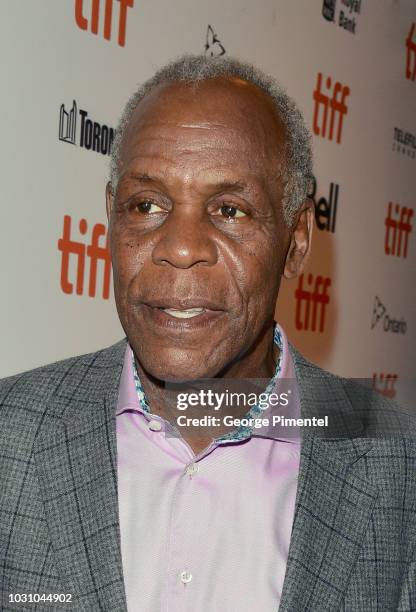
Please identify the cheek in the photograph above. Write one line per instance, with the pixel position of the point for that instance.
(128, 257)
(258, 266)
(263, 281)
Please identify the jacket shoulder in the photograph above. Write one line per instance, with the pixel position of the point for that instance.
(39, 382)
(354, 407)
(358, 391)
(25, 395)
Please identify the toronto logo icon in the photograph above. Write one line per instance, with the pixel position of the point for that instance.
(93, 136)
(68, 123)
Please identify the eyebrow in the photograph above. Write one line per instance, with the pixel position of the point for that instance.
(239, 186)
(142, 177)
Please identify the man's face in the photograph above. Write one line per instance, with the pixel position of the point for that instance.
(197, 233)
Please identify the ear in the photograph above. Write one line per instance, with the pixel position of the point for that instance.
(109, 199)
(300, 241)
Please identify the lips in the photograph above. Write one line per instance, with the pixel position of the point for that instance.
(182, 314)
(181, 304)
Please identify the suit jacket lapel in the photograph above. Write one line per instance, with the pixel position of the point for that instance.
(333, 504)
(76, 461)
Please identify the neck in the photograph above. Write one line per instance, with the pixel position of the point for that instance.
(257, 362)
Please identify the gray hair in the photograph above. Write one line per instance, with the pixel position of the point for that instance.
(297, 173)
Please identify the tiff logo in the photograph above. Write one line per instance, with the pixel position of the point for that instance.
(305, 320)
(385, 384)
(397, 226)
(411, 53)
(213, 46)
(68, 123)
(93, 251)
(334, 103)
(325, 209)
(83, 23)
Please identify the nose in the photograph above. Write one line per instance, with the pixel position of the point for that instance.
(185, 240)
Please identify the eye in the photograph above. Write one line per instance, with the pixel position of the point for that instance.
(147, 207)
(231, 212)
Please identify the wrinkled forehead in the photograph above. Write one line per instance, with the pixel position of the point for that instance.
(233, 110)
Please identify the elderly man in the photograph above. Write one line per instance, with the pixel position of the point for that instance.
(103, 509)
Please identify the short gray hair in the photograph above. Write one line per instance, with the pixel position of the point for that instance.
(297, 173)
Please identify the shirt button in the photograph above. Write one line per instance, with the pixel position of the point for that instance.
(186, 577)
(192, 469)
(155, 425)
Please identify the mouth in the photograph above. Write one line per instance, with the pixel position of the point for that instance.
(182, 316)
(189, 313)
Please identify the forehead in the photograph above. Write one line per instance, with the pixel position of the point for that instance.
(225, 120)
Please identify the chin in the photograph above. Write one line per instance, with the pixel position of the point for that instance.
(171, 369)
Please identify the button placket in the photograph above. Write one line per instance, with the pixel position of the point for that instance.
(180, 559)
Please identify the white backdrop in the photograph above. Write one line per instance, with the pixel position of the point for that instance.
(55, 52)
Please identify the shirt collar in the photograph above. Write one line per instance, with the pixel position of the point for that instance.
(132, 395)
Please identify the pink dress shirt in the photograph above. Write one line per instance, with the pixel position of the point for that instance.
(205, 533)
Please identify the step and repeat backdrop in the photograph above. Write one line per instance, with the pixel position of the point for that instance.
(68, 67)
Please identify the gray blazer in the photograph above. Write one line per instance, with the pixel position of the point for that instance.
(353, 543)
